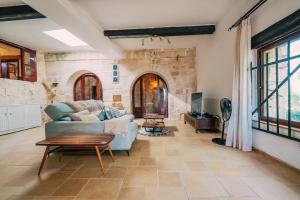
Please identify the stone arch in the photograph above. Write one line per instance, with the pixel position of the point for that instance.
(165, 76)
(71, 80)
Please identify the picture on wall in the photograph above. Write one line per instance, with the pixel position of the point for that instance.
(115, 74)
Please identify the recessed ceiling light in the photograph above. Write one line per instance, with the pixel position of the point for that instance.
(66, 37)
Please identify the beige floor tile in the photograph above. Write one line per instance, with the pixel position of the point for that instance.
(236, 187)
(87, 172)
(203, 185)
(147, 161)
(271, 189)
(107, 189)
(115, 172)
(71, 187)
(141, 176)
(195, 166)
(132, 193)
(165, 194)
(169, 179)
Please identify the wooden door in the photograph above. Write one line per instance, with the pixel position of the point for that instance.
(149, 95)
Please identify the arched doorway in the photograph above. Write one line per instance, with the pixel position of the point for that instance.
(87, 86)
(149, 95)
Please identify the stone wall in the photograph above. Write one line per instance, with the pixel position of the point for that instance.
(17, 92)
(175, 66)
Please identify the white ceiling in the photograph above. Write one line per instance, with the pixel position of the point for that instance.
(10, 3)
(113, 14)
(118, 14)
(29, 33)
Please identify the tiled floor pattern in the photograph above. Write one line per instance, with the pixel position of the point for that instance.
(181, 166)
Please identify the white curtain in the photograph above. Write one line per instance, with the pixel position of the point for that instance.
(239, 134)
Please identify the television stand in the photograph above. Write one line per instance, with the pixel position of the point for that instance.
(202, 123)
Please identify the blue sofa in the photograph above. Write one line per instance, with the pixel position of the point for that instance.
(62, 124)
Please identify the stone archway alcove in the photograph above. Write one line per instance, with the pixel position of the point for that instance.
(167, 79)
(69, 87)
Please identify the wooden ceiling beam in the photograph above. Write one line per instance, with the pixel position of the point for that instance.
(21, 12)
(162, 31)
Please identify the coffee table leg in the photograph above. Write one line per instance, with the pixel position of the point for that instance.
(99, 159)
(110, 152)
(43, 160)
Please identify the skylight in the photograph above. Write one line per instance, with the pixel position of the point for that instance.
(66, 37)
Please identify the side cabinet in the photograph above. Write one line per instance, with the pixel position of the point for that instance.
(19, 117)
(4, 124)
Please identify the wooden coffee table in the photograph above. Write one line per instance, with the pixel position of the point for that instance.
(99, 142)
(153, 126)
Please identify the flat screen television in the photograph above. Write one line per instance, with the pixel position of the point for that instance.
(196, 103)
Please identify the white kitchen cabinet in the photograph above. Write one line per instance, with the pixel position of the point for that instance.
(4, 124)
(19, 117)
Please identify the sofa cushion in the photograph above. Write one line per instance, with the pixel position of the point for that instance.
(76, 116)
(58, 110)
(130, 117)
(88, 117)
(90, 105)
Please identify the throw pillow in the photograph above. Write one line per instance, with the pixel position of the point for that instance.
(102, 115)
(108, 114)
(75, 116)
(58, 110)
(114, 112)
(89, 117)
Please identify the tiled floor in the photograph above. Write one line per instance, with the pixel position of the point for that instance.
(182, 165)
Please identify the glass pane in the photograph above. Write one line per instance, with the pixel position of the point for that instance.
(78, 90)
(271, 55)
(282, 51)
(150, 85)
(162, 98)
(294, 63)
(272, 106)
(295, 97)
(295, 47)
(283, 101)
(282, 71)
(137, 95)
(90, 87)
(272, 78)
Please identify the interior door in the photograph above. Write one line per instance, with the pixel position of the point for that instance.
(150, 95)
(137, 99)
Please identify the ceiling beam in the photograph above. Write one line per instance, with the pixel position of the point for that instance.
(22, 12)
(76, 20)
(161, 31)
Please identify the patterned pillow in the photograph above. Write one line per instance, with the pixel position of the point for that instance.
(108, 114)
(114, 112)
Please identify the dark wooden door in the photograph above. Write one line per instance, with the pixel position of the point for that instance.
(149, 95)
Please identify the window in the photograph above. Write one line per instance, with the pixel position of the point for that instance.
(17, 63)
(276, 88)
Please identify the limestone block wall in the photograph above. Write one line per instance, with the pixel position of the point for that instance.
(15, 92)
(175, 66)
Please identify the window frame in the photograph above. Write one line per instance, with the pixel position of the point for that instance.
(263, 117)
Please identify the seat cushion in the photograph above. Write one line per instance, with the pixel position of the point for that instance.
(58, 110)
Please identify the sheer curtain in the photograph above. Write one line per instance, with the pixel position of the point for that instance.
(239, 134)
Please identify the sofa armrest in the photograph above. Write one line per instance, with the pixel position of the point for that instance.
(55, 128)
